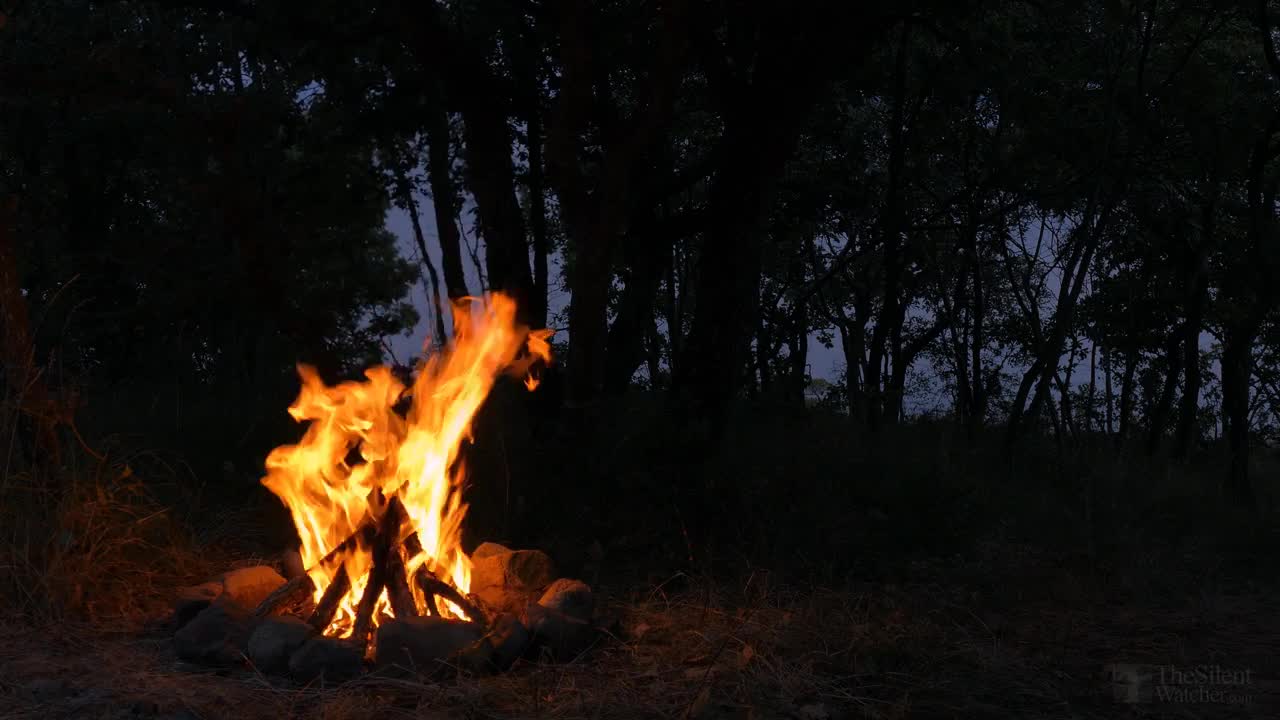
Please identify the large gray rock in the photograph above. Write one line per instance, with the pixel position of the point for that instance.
(191, 601)
(571, 597)
(487, 549)
(325, 658)
(419, 644)
(506, 580)
(246, 586)
(509, 640)
(291, 561)
(218, 635)
(250, 586)
(275, 640)
(561, 636)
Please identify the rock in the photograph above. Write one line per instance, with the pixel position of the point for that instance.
(326, 658)
(487, 549)
(564, 637)
(509, 639)
(524, 569)
(505, 580)
(476, 658)
(571, 597)
(291, 561)
(246, 587)
(250, 586)
(218, 635)
(208, 591)
(275, 640)
(420, 643)
(184, 611)
(191, 601)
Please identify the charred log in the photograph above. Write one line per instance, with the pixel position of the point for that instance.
(328, 605)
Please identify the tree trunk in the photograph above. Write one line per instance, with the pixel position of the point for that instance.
(595, 209)
(799, 361)
(763, 355)
(1106, 374)
(675, 306)
(589, 281)
(1187, 431)
(444, 202)
(1159, 417)
(1126, 396)
(762, 111)
(852, 343)
(960, 352)
(433, 279)
(490, 169)
(1064, 388)
(1090, 412)
(1075, 269)
(727, 275)
(1197, 285)
(491, 177)
(626, 341)
(1237, 364)
(653, 352)
(889, 324)
(537, 219)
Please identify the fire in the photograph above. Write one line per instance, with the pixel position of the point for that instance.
(414, 457)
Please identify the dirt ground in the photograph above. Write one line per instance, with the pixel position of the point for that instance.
(1005, 636)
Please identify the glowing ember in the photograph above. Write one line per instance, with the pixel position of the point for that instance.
(413, 457)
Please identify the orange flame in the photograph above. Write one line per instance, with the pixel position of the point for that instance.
(413, 456)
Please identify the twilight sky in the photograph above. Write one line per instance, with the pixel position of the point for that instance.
(824, 363)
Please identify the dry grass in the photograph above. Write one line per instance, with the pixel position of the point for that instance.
(931, 646)
(94, 546)
(1007, 631)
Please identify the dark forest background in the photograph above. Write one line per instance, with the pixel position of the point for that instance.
(1058, 216)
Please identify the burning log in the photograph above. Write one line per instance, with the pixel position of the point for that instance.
(431, 585)
(413, 546)
(402, 603)
(329, 602)
(387, 572)
(385, 547)
(303, 585)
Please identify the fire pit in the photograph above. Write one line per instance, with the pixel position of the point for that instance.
(375, 491)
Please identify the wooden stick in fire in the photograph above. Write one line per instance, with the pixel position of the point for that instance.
(413, 548)
(304, 585)
(402, 604)
(328, 605)
(431, 585)
(383, 547)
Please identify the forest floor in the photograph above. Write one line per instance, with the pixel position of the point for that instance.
(909, 580)
(1006, 633)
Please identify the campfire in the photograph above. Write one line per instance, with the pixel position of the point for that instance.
(375, 490)
(381, 531)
